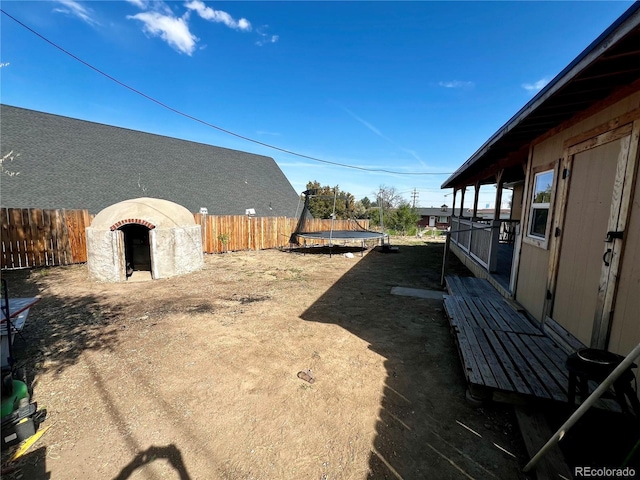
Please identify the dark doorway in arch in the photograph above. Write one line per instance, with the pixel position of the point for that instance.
(137, 249)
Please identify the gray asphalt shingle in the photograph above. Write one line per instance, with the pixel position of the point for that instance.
(76, 164)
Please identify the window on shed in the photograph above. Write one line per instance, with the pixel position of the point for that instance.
(539, 218)
(443, 219)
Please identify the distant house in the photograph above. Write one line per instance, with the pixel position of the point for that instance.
(571, 156)
(74, 164)
(488, 213)
(435, 217)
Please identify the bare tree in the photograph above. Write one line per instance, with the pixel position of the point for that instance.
(141, 185)
(8, 157)
(387, 197)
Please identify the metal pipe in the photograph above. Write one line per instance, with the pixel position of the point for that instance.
(381, 215)
(333, 218)
(298, 207)
(603, 387)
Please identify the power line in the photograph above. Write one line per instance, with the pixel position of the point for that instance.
(203, 122)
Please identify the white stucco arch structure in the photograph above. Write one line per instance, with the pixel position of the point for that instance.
(174, 240)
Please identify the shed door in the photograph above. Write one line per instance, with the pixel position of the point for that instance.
(588, 265)
(432, 221)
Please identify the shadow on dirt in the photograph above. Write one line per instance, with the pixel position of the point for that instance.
(56, 332)
(170, 453)
(327, 250)
(58, 329)
(32, 464)
(419, 431)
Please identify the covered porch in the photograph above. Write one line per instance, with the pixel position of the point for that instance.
(486, 242)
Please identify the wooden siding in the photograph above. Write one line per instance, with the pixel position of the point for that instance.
(534, 261)
(532, 277)
(625, 328)
(585, 229)
(36, 238)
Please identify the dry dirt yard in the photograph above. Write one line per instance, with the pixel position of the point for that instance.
(195, 377)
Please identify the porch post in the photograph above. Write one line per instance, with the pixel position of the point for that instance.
(499, 184)
(475, 199)
(453, 207)
(463, 189)
(495, 224)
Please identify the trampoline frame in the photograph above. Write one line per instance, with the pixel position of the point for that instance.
(331, 235)
(346, 235)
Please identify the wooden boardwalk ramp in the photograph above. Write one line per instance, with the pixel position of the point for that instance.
(506, 357)
(501, 350)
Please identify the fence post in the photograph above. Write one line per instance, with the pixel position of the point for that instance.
(203, 226)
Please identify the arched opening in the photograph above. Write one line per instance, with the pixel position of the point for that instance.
(137, 248)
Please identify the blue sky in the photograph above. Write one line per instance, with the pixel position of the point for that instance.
(412, 87)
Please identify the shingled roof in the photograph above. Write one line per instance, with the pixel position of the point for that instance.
(74, 164)
(443, 211)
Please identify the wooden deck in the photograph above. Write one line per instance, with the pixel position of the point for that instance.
(471, 287)
(500, 349)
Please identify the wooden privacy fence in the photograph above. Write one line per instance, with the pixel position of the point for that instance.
(34, 237)
(222, 233)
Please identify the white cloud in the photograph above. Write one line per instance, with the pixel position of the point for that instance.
(264, 37)
(535, 87)
(172, 30)
(75, 9)
(375, 130)
(218, 16)
(141, 4)
(415, 155)
(267, 39)
(4, 64)
(456, 84)
(365, 123)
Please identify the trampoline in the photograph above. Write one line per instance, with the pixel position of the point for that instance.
(330, 238)
(344, 235)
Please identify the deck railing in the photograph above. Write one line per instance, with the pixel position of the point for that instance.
(478, 239)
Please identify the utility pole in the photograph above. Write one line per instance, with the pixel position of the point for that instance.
(414, 196)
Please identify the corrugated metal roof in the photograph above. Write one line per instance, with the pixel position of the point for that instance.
(610, 63)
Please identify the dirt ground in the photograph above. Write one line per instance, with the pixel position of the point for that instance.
(195, 377)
